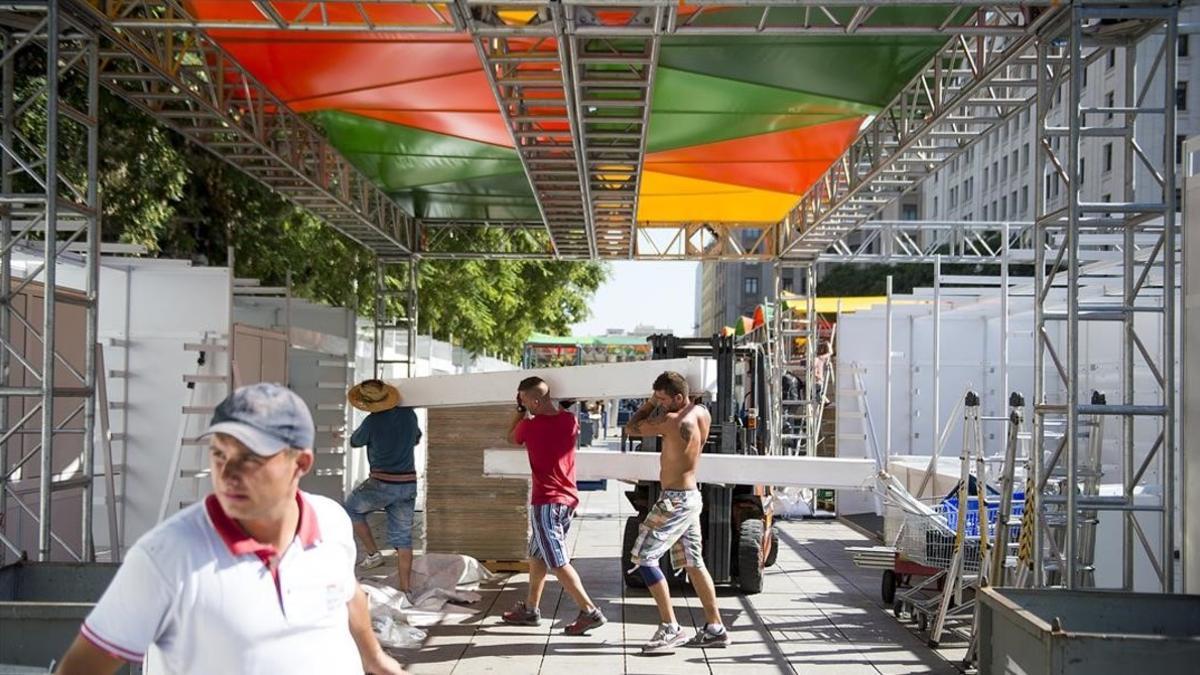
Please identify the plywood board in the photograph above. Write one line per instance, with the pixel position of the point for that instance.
(810, 472)
(601, 381)
(466, 512)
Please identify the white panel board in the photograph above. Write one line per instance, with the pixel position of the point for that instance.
(606, 380)
(809, 472)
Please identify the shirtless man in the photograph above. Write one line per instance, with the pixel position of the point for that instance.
(674, 521)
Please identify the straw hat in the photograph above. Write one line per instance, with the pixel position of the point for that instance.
(373, 396)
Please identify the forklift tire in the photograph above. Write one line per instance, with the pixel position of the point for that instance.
(889, 587)
(750, 571)
(635, 579)
(773, 554)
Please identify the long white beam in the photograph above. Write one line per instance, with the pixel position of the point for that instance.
(807, 472)
(602, 381)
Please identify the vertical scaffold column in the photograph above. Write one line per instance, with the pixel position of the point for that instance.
(49, 206)
(1135, 133)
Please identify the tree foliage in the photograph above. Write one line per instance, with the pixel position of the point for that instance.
(178, 200)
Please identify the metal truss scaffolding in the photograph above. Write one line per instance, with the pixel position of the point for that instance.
(395, 323)
(49, 207)
(162, 63)
(977, 81)
(1138, 305)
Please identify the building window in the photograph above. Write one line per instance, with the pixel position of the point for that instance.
(1183, 44)
(1012, 204)
(1108, 157)
(750, 285)
(1110, 102)
(985, 176)
(1111, 59)
(909, 212)
(1004, 208)
(1085, 76)
(953, 197)
(936, 213)
(1025, 156)
(1181, 96)
(1025, 199)
(1082, 171)
(1025, 117)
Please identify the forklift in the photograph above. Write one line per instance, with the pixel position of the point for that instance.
(737, 521)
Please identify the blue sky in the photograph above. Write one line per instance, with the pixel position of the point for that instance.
(660, 294)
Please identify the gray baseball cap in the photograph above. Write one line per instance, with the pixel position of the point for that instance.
(267, 418)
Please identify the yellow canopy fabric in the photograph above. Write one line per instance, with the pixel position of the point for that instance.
(668, 198)
(851, 304)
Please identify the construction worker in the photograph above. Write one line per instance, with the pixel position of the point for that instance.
(390, 432)
(673, 522)
(548, 433)
(258, 577)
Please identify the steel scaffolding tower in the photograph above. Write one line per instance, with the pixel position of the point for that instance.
(395, 318)
(49, 205)
(1145, 304)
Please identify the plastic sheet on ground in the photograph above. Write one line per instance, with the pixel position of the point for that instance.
(438, 579)
(792, 502)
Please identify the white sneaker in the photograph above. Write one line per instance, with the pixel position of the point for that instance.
(372, 560)
(665, 640)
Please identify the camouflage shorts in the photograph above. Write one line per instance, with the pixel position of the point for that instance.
(672, 524)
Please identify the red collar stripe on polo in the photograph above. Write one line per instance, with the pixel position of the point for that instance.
(241, 543)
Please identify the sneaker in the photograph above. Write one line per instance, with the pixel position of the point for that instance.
(706, 639)
(520, 615)
(372, 560)
(666, 639)
(585, 622)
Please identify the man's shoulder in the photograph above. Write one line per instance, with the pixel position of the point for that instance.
(172, 541)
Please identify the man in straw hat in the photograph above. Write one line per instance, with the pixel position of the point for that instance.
(390, 432)
(258, 577)
(548, 433)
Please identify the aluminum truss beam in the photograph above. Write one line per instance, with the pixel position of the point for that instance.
(974, 83)
(49, 202)
(1144, 408)
(699, 17)
(185, 80)
(916, 241)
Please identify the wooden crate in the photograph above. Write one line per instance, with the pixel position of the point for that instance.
(465, 512)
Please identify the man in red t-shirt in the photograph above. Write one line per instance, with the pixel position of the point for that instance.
(548, 433)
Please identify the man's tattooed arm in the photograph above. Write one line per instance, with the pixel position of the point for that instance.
(649, 413)
(688, 429)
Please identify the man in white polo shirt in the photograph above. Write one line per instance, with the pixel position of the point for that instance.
(256, 578)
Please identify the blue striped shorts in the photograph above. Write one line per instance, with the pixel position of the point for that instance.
(549, 524)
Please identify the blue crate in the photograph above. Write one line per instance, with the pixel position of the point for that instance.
(948, 508)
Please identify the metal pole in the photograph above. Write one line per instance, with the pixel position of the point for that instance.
(378, 313)
(50, 282)
(1070, 540)
(810, 349)
(937, 349)
(6, 188)
(91, 291)
(1004, 326)
(1037, 446)
(414, 305)
(1130, 299)
(887, 378)
(1169, 288)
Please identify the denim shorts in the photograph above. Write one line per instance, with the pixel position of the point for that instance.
(397, 499)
